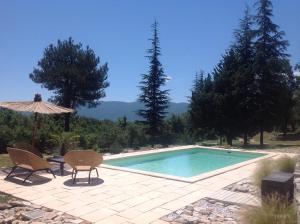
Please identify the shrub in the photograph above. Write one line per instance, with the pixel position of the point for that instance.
(115, 148)
(275, 210)
(285, 164)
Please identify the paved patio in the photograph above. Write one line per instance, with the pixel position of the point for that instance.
(119, 196)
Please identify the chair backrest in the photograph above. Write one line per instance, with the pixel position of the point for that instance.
(83, 158)
(27, 159)
(28, 147)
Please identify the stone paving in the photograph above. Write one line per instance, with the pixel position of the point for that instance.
(207, 210)
(118, 196)
(17, 211)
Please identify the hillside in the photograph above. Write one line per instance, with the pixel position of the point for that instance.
(112, 110)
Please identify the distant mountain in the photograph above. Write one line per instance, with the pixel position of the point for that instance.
(112, 110)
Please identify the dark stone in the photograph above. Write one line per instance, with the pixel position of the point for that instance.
(279, 183)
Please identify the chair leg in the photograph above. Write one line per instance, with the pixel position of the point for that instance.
(90, 176)
(97, 172)
(12, 170)
(28, 176)
(74, 179)
(50, 171)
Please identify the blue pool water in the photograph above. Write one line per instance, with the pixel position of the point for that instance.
(184, 163)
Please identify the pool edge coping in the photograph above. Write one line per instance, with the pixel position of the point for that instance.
(192, 179)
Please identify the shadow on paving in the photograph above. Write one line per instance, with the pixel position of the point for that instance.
(81, 182)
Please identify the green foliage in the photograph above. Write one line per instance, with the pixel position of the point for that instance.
(154, 98)
(275, 210)
(5, 198)
(105, 135)
(252, 86)
(65, 140)
(73, 73)
(202, 111)
(225, 100)
(245, 87)
(5, 160)
(296, 100)
(12, 128)
(271, 69)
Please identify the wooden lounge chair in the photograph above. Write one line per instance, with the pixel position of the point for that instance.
(83, 160)
(29, 148)
(28, 161)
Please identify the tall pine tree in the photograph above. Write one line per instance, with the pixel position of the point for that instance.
(269, 66)
(244, 81)
(153, 97)
(201, 108)
(225, 100)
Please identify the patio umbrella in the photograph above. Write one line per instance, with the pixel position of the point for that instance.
(37, 106)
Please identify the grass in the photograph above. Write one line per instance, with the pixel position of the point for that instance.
(274, 210)
(286, 164)
(263, 169)
(271, 140)
(277, 140)
(5, 161)
(4, 198)
(267, 166)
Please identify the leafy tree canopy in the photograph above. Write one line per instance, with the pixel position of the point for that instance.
(73, 73)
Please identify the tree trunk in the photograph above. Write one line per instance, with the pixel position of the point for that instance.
(34, 129)
(245, 139)
(261, 138)
(63, 150)
(221, 140)
(229, 140)
(285, 127)
(67, 122)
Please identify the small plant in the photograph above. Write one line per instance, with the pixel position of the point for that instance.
(274, 210)
(263, 169)
(65, 141)
(285, 164)
(4, 198)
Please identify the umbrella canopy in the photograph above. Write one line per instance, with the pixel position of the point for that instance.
(40, 107)
(37, 106)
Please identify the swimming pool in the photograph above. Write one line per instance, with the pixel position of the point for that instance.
(184, 163)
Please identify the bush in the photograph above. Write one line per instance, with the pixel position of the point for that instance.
(115, 148)
(94, 134)
(275, 210)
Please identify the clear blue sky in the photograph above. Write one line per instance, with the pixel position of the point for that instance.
(193, 35)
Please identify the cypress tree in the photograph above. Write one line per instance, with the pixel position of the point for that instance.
(269, 67)
(153, 97)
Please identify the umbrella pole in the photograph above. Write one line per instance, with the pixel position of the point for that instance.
(34, 129)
